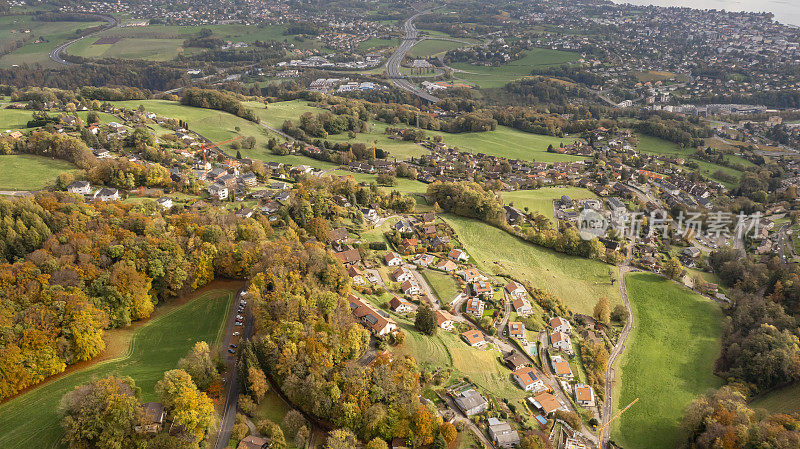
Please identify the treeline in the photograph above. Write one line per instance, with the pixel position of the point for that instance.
(121, 72)
(528, 121)
(57, 16)
(214, 99)
(99, 266)
(680, 132)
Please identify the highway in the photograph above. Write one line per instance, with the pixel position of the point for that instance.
(55, 55)
(393, 63)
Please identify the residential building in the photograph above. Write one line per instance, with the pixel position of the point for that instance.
(471, 275)
(152, 421)
(481, 288)
(584, 395)
(253, 442)
(560, 325)
(424, 260)
(402, 274)
(475, 307)
(471, 402)
(107, 194)
(444, 320)
(393, 259)
(502, 433)
(514, 361)
(561, 341)
(522, 306)
(528, 380)
(165, 202)
(561, 367)
(409, 288)
(349, 256)
(517, 330)
(459, 255)
(515, 290)
(80, 187)
(446, 265)
(375, 321)
(218, 191)
(338, 235)
(401, 306)
(546, 403)
(474, 338)
(357, 275)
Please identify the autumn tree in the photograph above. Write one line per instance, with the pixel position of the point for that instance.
(188, 406)
(272, 431)
(200, 366)
(292, 422)
(672, 268)
(449, 432)
(341, 439)
(377, 443)
(257, 382)
(602, 310)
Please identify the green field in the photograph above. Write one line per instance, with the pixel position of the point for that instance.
(376, 43)
(28, 172)
(541, 200)
(31, 420)
(509, 143)
(11, 119)
(432, 47)
(668, 360)
(51, 34)
(443, 284)
(782, 400)
(130, 48)
(489, 77)
(577, 281)
(404, 185)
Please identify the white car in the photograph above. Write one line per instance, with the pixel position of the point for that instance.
(236, 334)
(239, 317)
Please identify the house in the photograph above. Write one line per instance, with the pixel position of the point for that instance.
(218, 191)
(522, 306)
(424, 260)
(471, 402)
(249, 179)
(165, 202)
(517, 330)
(116, 127)
(514, 361)
(561, 367)
(474, 338)
(458, 255)
(152, 420)
(561, 341)
(502, 433)
(15, 135)
(270, 207)
(245, 212)
(560, 325)
(584, 395)
(401, 306)
(444, 320)
(402, 274)
(282, 197)
(481, 288)
(528, 380)
(278, 185)
(356, 275)
(107, 194)
(349, 256)
(253, 442)
(513, 215)
(472, 275)
(546, 403)
(475, 307)
(692, 252)
(80, 187)
(515, 289)
(101, 153)
(370, 214)
(338, 235)
(446, 265)
(393, 259)
(375, 321)
(409, 288)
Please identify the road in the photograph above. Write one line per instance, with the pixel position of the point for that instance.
(393, 63)
(55, 55)
(231, 379)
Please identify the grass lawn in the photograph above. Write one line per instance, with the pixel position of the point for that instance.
(489, 77)
(541, 200)
(220, 126)
(14, 118)
(577, 281)
(668, 361)
(29, 172)
(51, 33)
(783, 400)
(654, 145)
(374, 43)
(442, 284)
(151, 49)
(31, 420)
(404, 185)
(431, 47)
(447, 350)
(510, 143)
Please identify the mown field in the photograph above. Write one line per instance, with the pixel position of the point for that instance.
(29, 172)
(13, 27)
(509, 143)
(489, 77)
(433, 47)
(541, 200)
(150, 49)
(782, 400)
(31, 420)
(404, 185)
(577, 281)
(668, 360)
(443, 284)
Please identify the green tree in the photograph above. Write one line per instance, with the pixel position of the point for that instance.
(672, 268)
(188, 406)
(199, 364)
(425, 321)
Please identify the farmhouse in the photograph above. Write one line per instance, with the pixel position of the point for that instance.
(560, 325)
(80, 187)
(357, 275)
(561, 341)
(475, 307)
(546, 403)
(444, 320)
(561, 367)
(528, 380)
(152, 418)
(517, 330)
(400, 306)
(474, 338)
(378, 324)
(253, 442)
(349, 256)
(584, 395)
(471, 402)
(522, 306)
(515, 290)
(502, 433)
(393, 259)
(338, 235)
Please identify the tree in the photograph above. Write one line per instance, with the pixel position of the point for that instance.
(200, 366)
(377, 443)
(619, 314)
(293, 422)
(188, 406)
(602, 310)
(257, 382)
(449, 432)
(672, 268)
(570, 418)
(272, 431)
(439, 442)
(341, 439)
(425, 321)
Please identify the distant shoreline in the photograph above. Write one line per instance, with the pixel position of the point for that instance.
(784, 13)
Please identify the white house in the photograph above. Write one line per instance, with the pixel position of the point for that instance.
(218, 191)
(528, 380)
(444, 320)
(522, 306)
(560, 325)
(401, 274)
(80, 187)
(458, 255)
(107, 194)
(561, 341)
(400, 306)
(165, 202)
(561, 367)
(475, 307)
(409, 288)
(393, 259)
(515, 289)
(584, 395)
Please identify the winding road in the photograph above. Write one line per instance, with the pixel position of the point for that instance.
(55, 55)
(393, 63)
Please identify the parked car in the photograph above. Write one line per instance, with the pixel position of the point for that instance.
(232, 351)
(236, 334)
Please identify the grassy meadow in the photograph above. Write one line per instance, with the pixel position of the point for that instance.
(29, 172)
(577, 281)
(49, 35)
(782, 400)
(541, 200)
(443, 284)
(668, 360)
(492, 77)
(31, 420)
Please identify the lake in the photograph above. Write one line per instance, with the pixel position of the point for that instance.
(785, 11)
